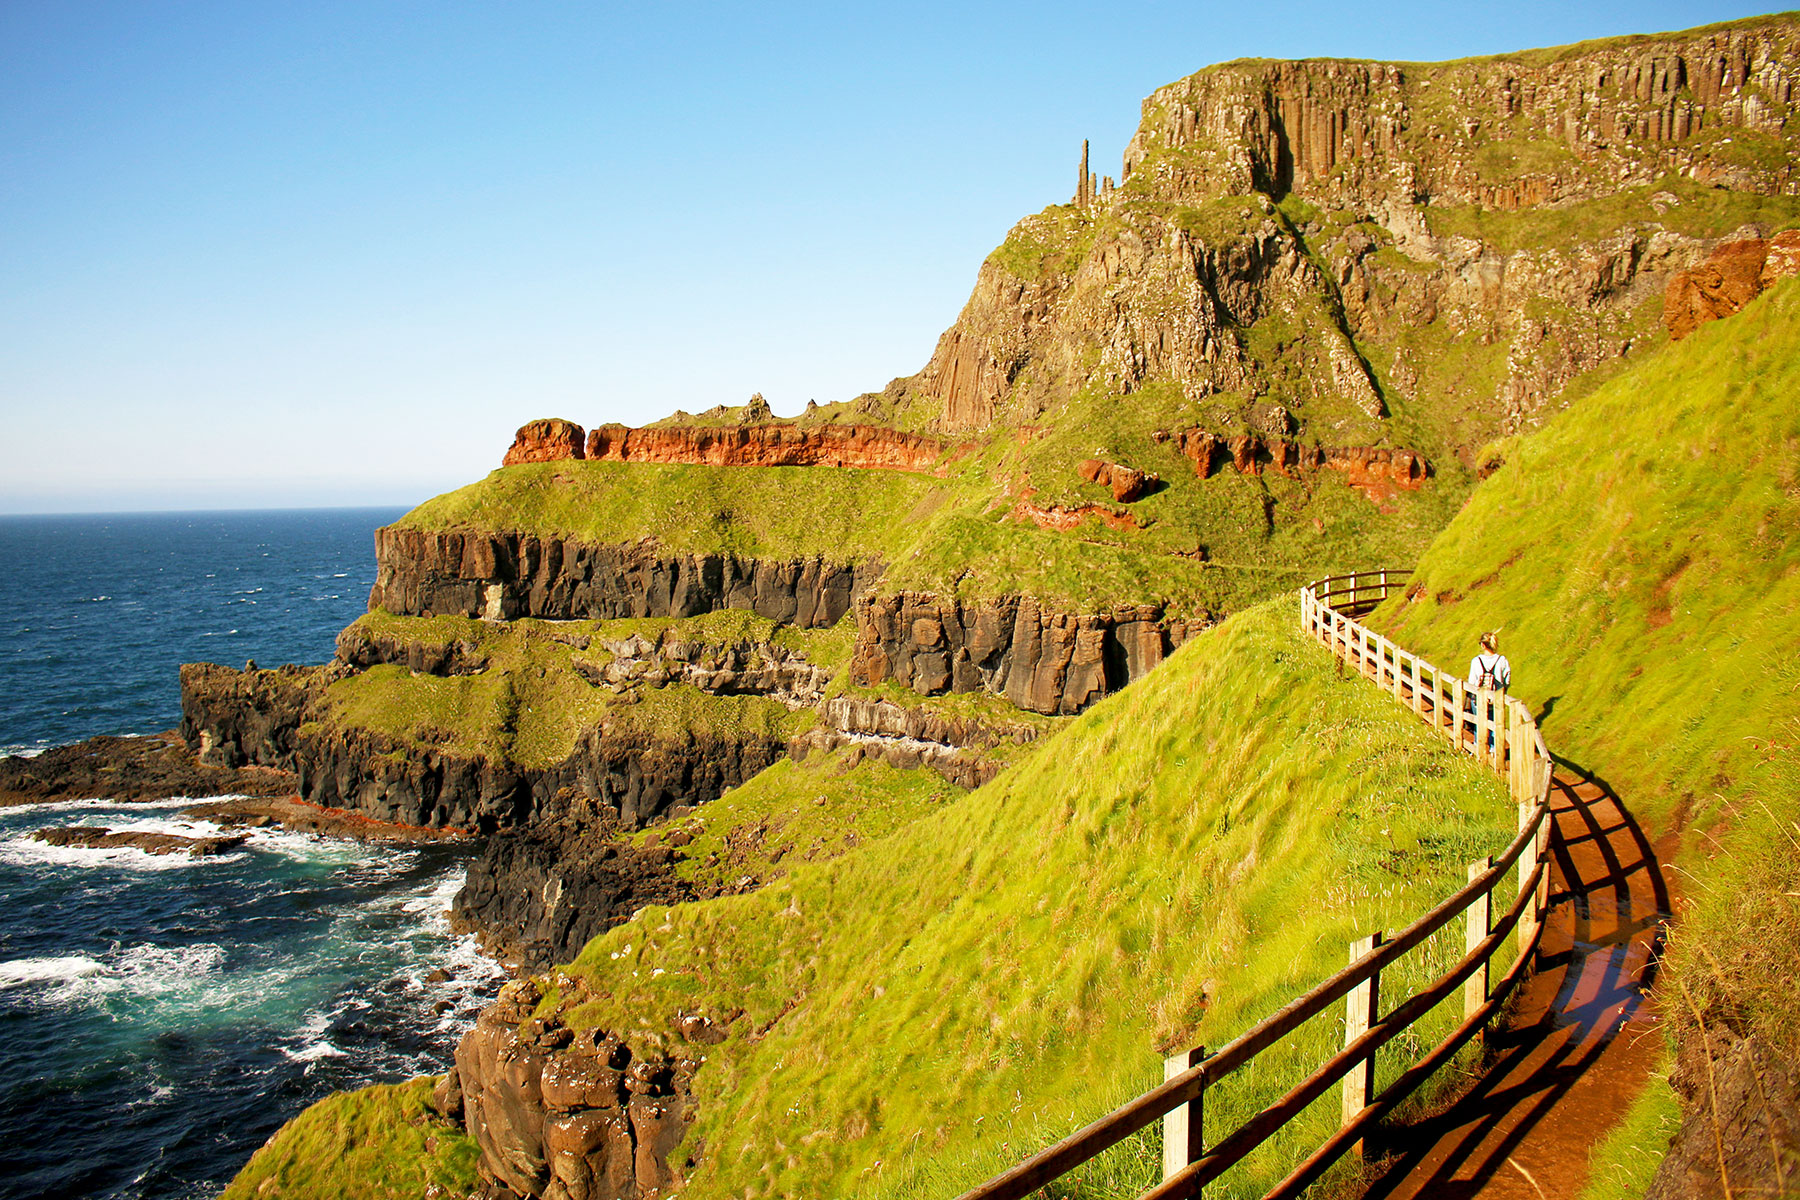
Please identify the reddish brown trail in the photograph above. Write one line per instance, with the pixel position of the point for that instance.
(1584, 1034)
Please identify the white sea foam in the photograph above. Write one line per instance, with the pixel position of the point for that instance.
(125, 807)
(25, 851)
(21, 972)
(314, 1052)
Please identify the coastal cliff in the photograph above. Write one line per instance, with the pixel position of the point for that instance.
(1320, 301)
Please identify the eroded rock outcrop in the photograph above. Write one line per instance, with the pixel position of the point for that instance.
(156, 767)
(1376, 471)
(568, 1114)
(550, 439)
(537, 895)
(1740, 1127)
(502, 576)
(768, 445)
(1732, 275)
(1040, 659)
(96, 837)
(277, 718)
(1125, 483)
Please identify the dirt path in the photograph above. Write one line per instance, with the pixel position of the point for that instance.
(1584, 1035)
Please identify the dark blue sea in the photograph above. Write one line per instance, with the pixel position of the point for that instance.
(160, 1017)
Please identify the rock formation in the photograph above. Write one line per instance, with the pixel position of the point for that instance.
(865, 446)
(548, 440)
(1125, 483)
(569, 1114)
(537, 895)
(1042, 660)
(129, 769)
(1732, 275)
(1392, 211)
(95, 837)
(503, 576)
(275, 719)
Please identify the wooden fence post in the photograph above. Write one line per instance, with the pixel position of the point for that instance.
(1527, 864)
(1360, 1009)
(1480, 924)
(1182, 1127)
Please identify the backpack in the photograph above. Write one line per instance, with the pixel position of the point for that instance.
(1489, 679)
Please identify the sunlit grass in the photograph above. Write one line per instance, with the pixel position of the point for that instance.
(379, 1143)
(1167, 870)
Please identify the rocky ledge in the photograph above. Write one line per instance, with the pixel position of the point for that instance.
(95, 837)
(130, 769)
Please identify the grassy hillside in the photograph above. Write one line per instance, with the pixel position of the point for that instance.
(1641, 556)
(1166, 870)
(379, 1143)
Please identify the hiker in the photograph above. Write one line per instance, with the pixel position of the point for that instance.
(1488, 672)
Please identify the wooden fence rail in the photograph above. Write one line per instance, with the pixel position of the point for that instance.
(1500, 732)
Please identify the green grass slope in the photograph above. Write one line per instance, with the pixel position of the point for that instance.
(1171, 867)
(378, 1143)
(1642, 557)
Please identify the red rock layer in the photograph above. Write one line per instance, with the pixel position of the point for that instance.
(1376, 471)
(767, 446)
(546, 440)
(1735, 274)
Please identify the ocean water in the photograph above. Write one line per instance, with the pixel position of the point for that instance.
(161, 1016)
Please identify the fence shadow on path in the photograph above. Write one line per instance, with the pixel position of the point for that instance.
(1583, 1035)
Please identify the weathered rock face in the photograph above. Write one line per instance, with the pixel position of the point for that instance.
(1732, 276)
(273, 718)
(502, 576)
(248, 718)
(537, 895)
(1740, 1122)
(770, 445)
(568, 1114)
(1163, 277)
(1043, 661)
(549, 440)
(157, 767)
(1376, 471)
(905, 738)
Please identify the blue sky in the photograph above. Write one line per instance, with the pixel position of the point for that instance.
(260, 255)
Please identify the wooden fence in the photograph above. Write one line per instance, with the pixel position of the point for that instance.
(1501, 733)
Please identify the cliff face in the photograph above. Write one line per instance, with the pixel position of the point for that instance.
(1534, 204)
(503, 576)
(1043, 661)
(281, 719)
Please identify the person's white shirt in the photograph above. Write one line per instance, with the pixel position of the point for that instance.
(1495, 664)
